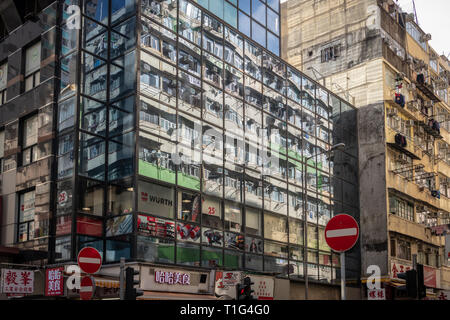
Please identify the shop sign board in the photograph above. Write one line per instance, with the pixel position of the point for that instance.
(376, 294)
(54, 282)
(17, 281)
(399, 267)
(226, 283)
(429, 277)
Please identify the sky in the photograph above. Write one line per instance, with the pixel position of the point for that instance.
(434, 18)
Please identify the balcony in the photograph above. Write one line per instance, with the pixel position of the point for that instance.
(412, 229)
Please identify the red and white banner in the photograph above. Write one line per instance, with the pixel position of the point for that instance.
(429, 277)
(54, 282)
(17, 281)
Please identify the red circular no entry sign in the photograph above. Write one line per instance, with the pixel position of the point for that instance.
(87, 288)
(89, 260)
(341, 232)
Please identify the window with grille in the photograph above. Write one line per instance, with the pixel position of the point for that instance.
(32, 66)
(330, 53)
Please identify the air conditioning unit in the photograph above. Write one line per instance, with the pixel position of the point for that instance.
(410, 123)
(409, 17)
(392, 112)
(402, 158)
(411, 87)
(425, 37)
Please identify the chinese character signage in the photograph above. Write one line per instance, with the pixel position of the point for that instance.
(54, 282)
(376, 294)
(17, 281)
(172, 278)
(397, 267)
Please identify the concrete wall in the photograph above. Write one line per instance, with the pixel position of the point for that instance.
(373, 201)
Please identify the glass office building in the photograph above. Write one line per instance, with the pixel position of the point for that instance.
(181, 140)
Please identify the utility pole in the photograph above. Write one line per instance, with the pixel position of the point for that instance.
(122, 279)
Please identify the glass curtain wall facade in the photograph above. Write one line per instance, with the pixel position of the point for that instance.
(196, 146)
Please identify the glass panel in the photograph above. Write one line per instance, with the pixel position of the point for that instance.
(296, 235)
(33, 59)
(253, 245)
(189, 207)
(117, 249)
(188, 232)
(120, 9)
(92, 156)
(212, 213)
(233, 259)
(121, 157)
(212, 258)
(121, 82)
(233, 217)
(190, 22)
(275, 227)
(275, 249)
(120, 199)
(188, 254)
(97, 9)
(91, 197)
(155, 158)
(64, 197)
(68, 75)
(63, 248)
(119, 225)
(156, 199)
(164, 12)
(253, 262)
(66, 156)
(155, 250)
(155, 227)
(212, 237)
(234, 241)
(123, 38)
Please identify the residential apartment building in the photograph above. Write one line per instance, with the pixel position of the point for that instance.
(170, 133)
(378, 57)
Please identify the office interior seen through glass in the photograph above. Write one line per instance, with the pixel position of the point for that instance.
(192, 141)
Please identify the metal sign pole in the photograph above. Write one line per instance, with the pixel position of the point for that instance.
(342, 275)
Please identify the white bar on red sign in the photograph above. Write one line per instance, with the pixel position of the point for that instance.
(341, 232)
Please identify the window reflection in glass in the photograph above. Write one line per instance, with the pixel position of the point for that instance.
(188, 254)
(157, 118)
(234, 48)
(190, 22)
(234, 81)
(189, 206)
(253, 221)
(213, 70)
(65, 156)
(155, 158)
(155, 249)
(91, 197)
(213, 105)
(233, 217)
(92, 156)
(275, 227)
(164, 12)
(212, 212)
(121, 156)
(253, 188)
